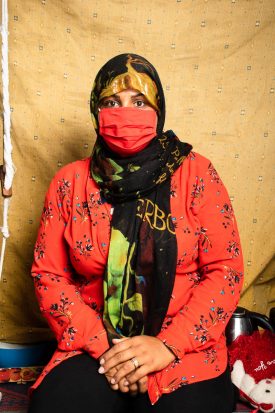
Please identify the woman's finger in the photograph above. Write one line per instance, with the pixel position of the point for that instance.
(117, 360)
(124, 388)
(114, 387)
(109, 377)
(123, 370)
(133, 389)
(137, 375)
(119, 340)
(117, 348)
(142, 385)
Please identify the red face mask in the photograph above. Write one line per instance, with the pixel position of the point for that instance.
(127, 131)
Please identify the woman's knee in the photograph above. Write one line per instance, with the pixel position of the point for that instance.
(74, 385)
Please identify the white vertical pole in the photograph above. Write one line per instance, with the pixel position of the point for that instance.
(8, 164)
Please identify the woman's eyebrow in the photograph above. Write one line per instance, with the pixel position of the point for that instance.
(112, 96)
(138, 94)
(133, 96)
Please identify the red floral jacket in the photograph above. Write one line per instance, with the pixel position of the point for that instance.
(71, 252)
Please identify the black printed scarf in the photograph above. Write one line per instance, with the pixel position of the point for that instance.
(140, 271)
(141, 266)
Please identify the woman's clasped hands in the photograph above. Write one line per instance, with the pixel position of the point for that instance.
(127, 364)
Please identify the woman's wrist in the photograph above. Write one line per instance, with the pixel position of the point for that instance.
(170, 348)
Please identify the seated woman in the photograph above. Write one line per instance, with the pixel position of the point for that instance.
(137, 265)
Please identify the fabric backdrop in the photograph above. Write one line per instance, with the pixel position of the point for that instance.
(216, 61)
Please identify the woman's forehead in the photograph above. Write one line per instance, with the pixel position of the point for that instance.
(126, 92)
(134, 80)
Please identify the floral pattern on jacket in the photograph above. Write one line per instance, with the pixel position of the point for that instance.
(71, 252)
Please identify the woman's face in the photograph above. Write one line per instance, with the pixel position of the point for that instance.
(129, 98)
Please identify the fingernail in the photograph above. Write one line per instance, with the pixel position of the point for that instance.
(101, 370)
(113, 381)
(126, 383)
(116, 340)
(102, 361)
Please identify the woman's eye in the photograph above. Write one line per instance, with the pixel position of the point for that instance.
(110, 103)
(139, 103)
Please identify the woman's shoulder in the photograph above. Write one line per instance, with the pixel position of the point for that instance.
(197, 169)
(73, 170)
(198, 160)
(70, 176)
(197, 164)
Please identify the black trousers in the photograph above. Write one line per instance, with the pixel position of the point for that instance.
(76, 386)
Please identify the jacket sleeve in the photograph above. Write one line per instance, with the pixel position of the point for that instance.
(200, 323)
(75, 324)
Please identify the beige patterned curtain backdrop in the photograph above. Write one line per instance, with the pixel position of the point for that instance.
(216, 62)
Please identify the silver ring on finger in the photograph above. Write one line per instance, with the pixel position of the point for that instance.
(135, 362)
